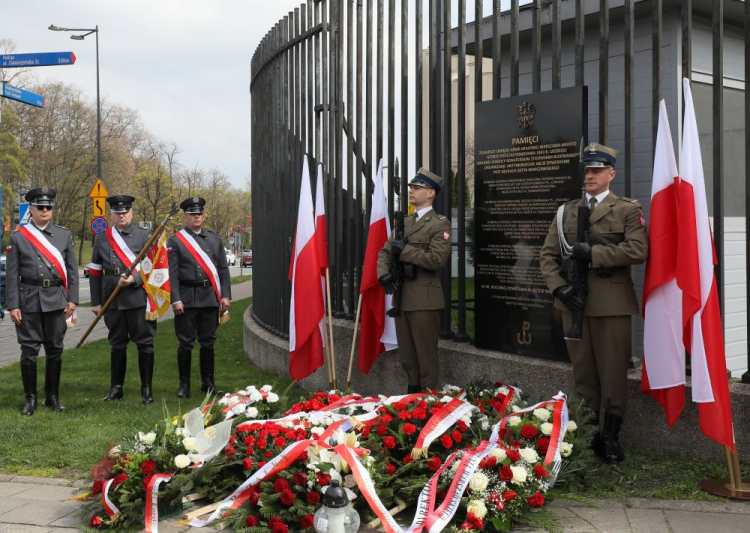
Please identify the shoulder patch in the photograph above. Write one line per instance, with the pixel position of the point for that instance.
(630, 200)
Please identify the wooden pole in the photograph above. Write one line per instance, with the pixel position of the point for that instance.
(354, 342)
(327, 348)
(334, 385)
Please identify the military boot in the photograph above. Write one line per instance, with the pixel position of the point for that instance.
(610, 448)
(118, 361)
(146, 368)
(183, 367)
(207, 372)
(52, 369)
(28, 375)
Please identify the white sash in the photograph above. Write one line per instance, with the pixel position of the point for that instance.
(196, 251)
(59, 264)
(124, 249)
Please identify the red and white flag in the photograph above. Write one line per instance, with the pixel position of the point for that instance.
(306, 308)
(703, 332)
(377, 332)
(321, 238)
(155, 276)
(663, 349)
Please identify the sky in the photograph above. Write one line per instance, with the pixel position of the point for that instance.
(183, 64)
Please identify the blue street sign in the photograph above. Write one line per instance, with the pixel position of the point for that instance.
(99, 225)
(22, 95)
(24, 215)
(45, 59)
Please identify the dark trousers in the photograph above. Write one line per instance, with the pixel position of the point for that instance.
(41, 329)
(600, 361)
(196, 322)
(417, 334)
(130, 325)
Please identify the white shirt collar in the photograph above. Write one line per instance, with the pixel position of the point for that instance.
(421, 212)
(599, 197)
(42, 228)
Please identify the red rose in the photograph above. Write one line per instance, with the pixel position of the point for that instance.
(506, 474)
(253, 498)
(386, 418)
(273, 521)
(261, 443)
(513, 455)
(323, 479)
(446, 441)
(540, 471)
(434, 463)
(280, 485)
(96, 522)
(390, 469)
(537, 500)
(478, 523)
(303, 456)
(409, 429)
(382, 430)
(120, 478)
(251, 521)
(509, 495)
(287, 498)
(491, 461)
(279, 527)
(407, 459)
(306, 521)
(389, 443)
(300, 479)
(320, 395)
(365, 432)
(467, 526)
(404, 415)
(462, 427)
(313, 498)
(542, 444)
(96, 488)
(456, 435)
(515, 444)
(529, 432)
(148, 467)
(247, 464)
(280, 442)
(268, 455)
(420, 413)
(333, 398)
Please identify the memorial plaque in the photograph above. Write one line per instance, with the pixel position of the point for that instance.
(526, 157)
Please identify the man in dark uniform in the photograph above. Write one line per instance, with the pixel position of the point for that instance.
(42, 284)
(424, 251)
(617, 240)
(201, 293)
(114, 251)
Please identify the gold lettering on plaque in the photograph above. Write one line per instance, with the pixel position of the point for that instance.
(524, 337)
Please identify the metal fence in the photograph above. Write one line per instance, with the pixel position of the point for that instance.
(341, 79)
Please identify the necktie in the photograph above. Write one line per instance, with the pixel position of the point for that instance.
(592, 203)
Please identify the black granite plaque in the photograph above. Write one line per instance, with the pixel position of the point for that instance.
(526, 155)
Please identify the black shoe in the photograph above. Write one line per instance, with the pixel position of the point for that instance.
(28, 375)
(118, 361)
(183, 367)
(115, 393)
(53, 403)
(52, 369)
(146, 368)
(207, 372)
(30, 407)
(610, 448)
(147, 396)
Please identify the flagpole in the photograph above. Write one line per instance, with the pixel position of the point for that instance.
(327, 352)
(332, 351)
(354, 342)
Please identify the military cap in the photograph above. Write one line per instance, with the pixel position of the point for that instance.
(425, 178)
(41, 196)
(598, 155)
(193, 205)
(120, 203)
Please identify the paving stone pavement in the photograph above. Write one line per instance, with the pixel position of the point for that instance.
(39, 505)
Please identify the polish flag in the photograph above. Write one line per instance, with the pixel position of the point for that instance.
(703, 333)
(377, 332)
(663, 350)
(306, 308)
(321, 238)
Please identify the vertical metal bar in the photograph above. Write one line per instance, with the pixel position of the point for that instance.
(359, 144)
(318, 112)
(536, 48)
(687, 38)
(496, 48)
(447, 169)
(603, 71)
(379, 108)
(391, 102)
(339, 144)
(419, 142)
(478, 50)
(434, 91)
(403, 195)
(514, 48)
(325, 99)
(656, 62)
(718, 141)
(373, 163)
(556, 45)
(310, 103)
(580, 42)
(461, 171)
(351, 197)
(746, 375)
(629, 135)
(334, 137)
(302, 46)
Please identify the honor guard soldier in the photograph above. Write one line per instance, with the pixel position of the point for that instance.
(42, 285)
(424, 250)
(201, 293)
(617, 239)
(114, 251)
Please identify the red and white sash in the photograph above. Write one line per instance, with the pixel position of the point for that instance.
(203, 260)
(53, 255)
(127, 257)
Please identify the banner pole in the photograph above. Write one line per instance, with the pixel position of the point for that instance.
(354, 342)
(330, 326)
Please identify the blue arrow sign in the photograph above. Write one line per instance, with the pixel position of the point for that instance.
(24, 215)
(45, 59)
(22, 95)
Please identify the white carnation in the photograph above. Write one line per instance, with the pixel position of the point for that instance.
(572, 426)
(514, 421)
(251, 412)
(182, 461)
(542, 414)
(255, 396)
(478, 482)
(272, 397)
(266, 388)
(478, 508)
(546, 428)
(529, 455)
(566, 449)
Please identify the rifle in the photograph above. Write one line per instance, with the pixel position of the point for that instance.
(396, 268)
(578, 275)
(131, 268)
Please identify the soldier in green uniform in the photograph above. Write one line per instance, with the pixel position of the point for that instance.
(617, 240)
(424, 250)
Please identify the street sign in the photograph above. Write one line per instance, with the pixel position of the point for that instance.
(99, 225)
(98, 207)
(45, 59)
(22, 95)
(24, 214)
(98, 190)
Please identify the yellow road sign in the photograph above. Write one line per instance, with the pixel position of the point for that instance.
(98, 204)
(98, 191)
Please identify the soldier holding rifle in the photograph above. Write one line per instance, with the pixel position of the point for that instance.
(615, 238)
(423, 251)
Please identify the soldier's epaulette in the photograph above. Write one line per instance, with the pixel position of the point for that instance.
(209, 231)
(61, 227)
(629, 200)
(441, 217)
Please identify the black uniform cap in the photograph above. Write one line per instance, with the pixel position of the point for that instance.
(193, 205)
(120, 203)
(41, 196)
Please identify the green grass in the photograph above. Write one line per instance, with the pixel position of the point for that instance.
(469, 305)
(68, 444)
(242, 279)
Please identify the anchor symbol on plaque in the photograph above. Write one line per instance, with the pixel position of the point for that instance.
(524, 338)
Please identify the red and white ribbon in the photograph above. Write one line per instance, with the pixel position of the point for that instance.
(53, 255)
(441, 422)
(109, 507)
(203, 260)
(95, 269)
(152, 501)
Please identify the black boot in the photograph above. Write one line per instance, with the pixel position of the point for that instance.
(146, 367)
(28, 375)
(183, 367)
(610, 448)
(52, 368)
(414, 389)
(596, 442)
(207, 372)
(118, 362)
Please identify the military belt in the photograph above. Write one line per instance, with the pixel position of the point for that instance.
(195, 283)
(42, 282)
(114, 272)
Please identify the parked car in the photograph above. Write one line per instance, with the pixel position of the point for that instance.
(231, 258)
(247, 258)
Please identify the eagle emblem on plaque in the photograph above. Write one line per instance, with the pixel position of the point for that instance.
(525, 113)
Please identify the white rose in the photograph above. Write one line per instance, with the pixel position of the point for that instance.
(519, 475)
(190, 443)
(446, 399)
(547, 428)
(572, 426)
(542, 414)
(529, 455)
(238, 410)
(147, 438)
(272, 397)
(499, 454)
(567, 449)
(477, 507)
(466, 419)
(514, 421)
(478, 482)
(317, 431)
(181, 461)
(251, 412)
(266, 388)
